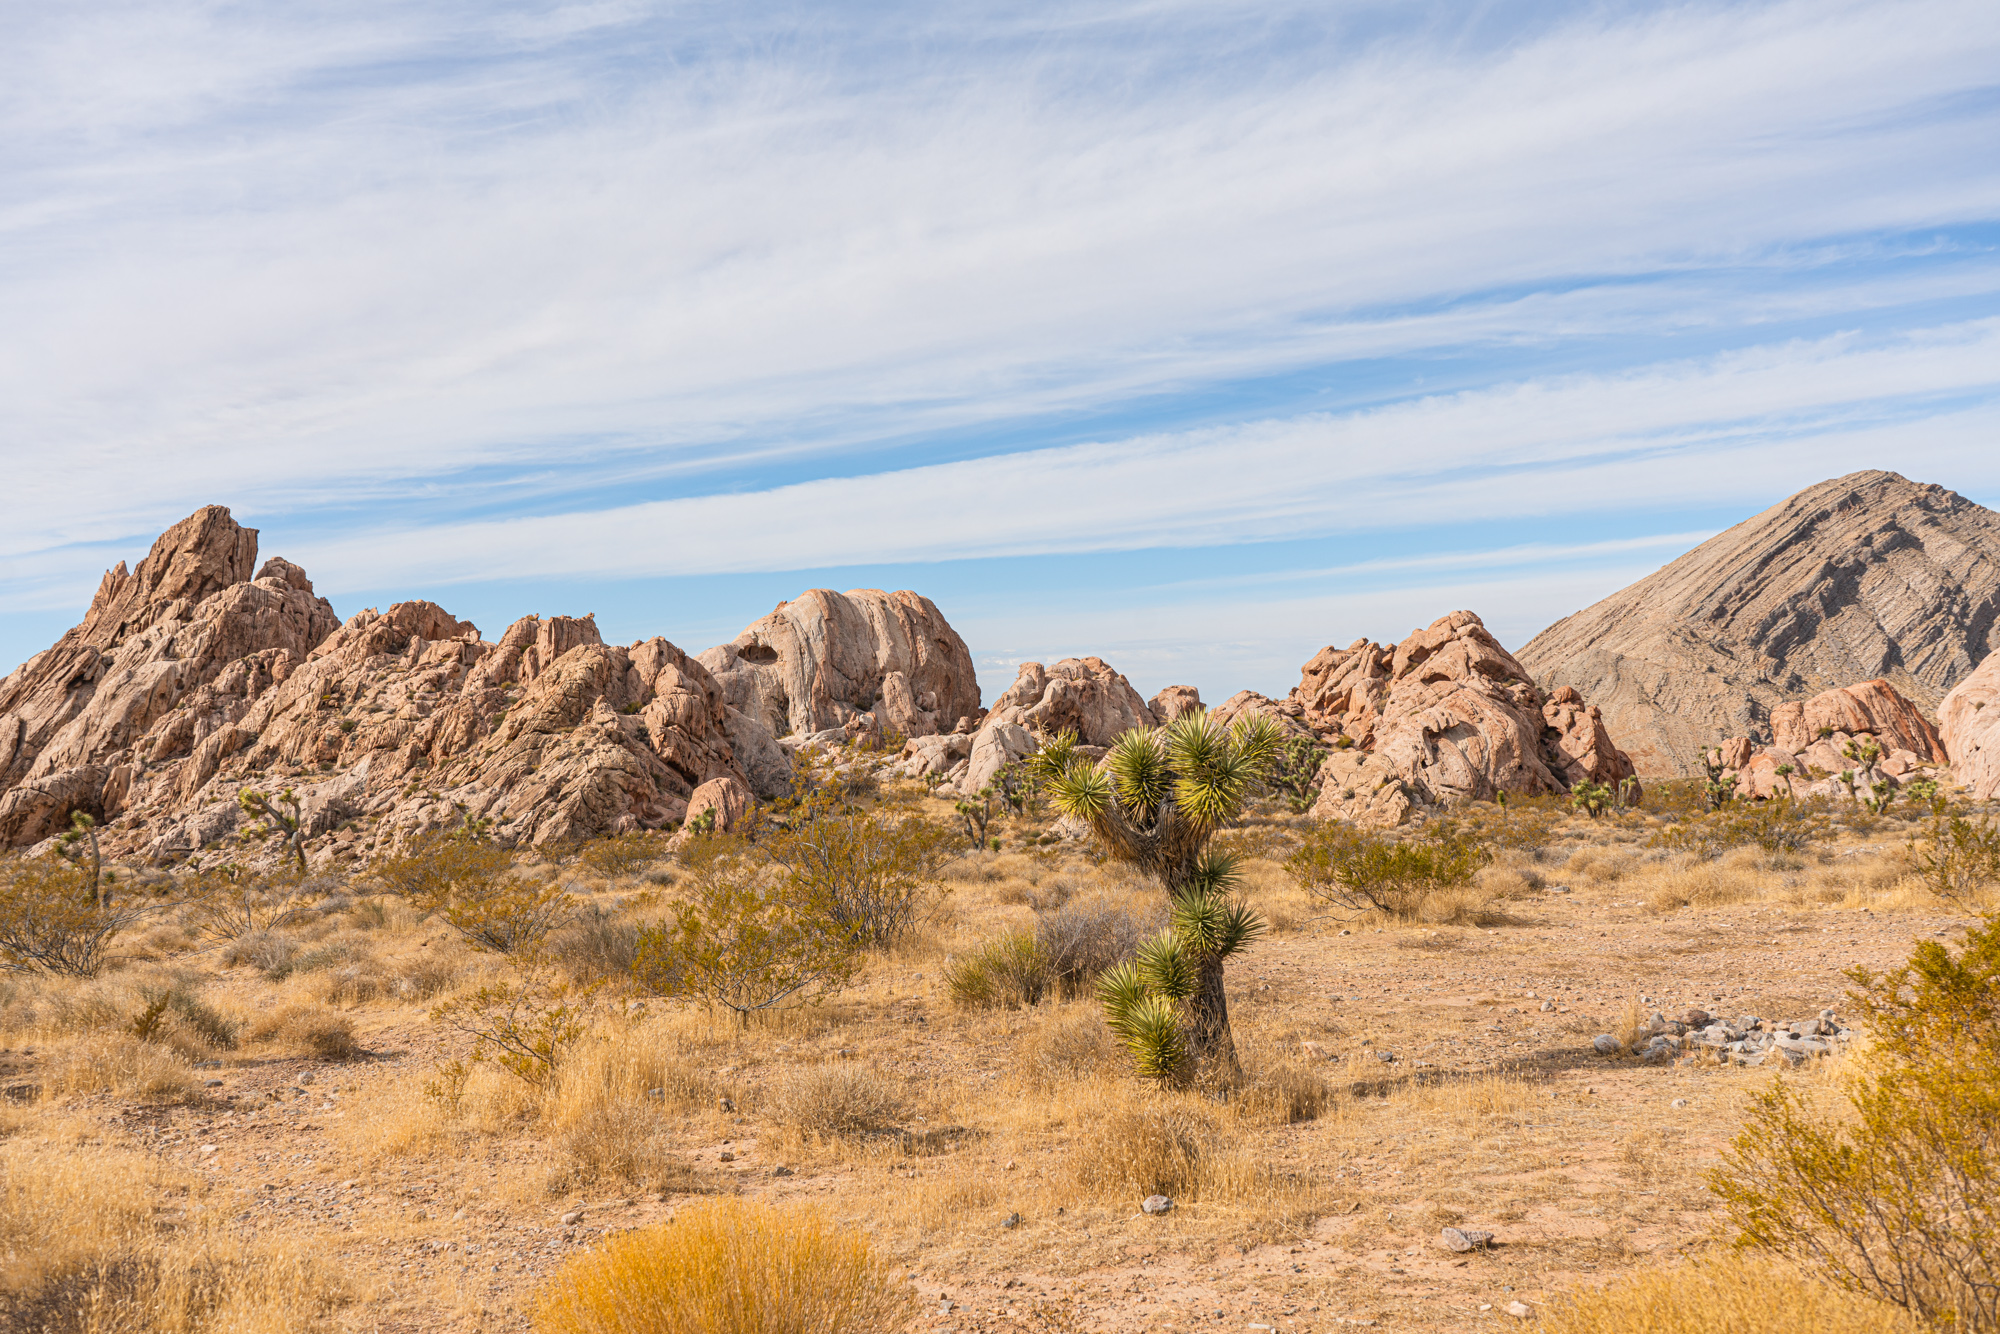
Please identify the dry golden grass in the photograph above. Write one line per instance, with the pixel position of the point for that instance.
(729, 1267)
(313, 1030)
(122, 1064)
(1724, 1296)
(101, 1240)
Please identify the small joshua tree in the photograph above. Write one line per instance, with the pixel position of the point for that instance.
(79, 842)
(1158, 801)
(283, 816)
(1593, 799)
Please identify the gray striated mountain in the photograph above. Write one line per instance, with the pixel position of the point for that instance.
(1868, 575)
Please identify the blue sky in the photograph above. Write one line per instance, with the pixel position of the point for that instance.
(1193, 335)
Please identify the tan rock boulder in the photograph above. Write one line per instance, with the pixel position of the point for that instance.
(996, 745)
(1172, 702)
(1287, 714)
(726, 797)
(1969, 729)
(1447, 715)
(1873, 707)
(819, 660)
(1084, 695)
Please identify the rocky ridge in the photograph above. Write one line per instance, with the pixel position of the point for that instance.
(1868, 576)
(189, 680)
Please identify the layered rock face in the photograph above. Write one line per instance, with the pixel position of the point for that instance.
(1863, 577)
(1447, 715)
(1969, 728)
(189, 680)
(820, 661)
(1875, 708)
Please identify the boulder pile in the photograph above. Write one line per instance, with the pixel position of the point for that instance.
(190, 680)
(1700, 1037)
(1869, 732)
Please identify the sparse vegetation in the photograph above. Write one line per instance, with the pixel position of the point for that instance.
(1424, 878)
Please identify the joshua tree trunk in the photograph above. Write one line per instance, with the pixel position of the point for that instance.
(1207, 1026)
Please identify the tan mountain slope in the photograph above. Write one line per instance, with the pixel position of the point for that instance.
(1863, 577)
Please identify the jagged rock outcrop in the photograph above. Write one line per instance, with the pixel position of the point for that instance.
(189, 681)
(1447, 715)
(1287, 714)
(1865, 576)
(1084, 695)
(1873, 707)
(817, 662)
(168, 657)
(1969, 729)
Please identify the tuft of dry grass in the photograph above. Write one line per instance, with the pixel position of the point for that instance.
(1725, 1296)
(729, 1267)
(123, 1064)
(623, 1143)
(312, 1030)
(835, 1100)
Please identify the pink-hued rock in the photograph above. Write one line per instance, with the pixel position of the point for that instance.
(819, 660)
(1172, 702)
(189, 681)
(1446, 715)
(1084, 695)
(727, 796)
(1969, 728)
(1872, 707)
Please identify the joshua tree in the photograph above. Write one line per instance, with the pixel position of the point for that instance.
(78, 842)
(287, 820)
(1156, 803)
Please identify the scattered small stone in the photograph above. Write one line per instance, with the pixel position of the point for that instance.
(1547, 1006)
(207, 1149)
(1519, 1310)
(211, 1083)
(306, 1078)
(1464, 1239)
(1680, 1102)
(725, 1157)
(1606, 1045)
(781, 1171)
(656, 1093)
(572, 1218)
(727, 1104)
(1156, 1204)
(1011, 1221)
(1386, 1057)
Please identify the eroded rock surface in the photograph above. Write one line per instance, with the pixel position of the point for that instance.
(189, 680)
(1866, 576)
(1873, 707)
(817, 662)
(1447, 715)
(1969, 728)
(1084, 695)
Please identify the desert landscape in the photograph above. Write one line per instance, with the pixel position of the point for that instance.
(375, 976)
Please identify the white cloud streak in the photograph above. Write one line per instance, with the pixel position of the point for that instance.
(242, 260)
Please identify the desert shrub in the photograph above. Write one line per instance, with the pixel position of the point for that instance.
(527, 1026)
(1008, 972)
(1722, 1297)
(728, 1266)
(1674, 799)
(1701, 834)
(1779, 825)
(422, 979)
(1071, 1046)
(620, 1142)
(596, 944)
(229, 903)
(1081, 939)
(310, 1029)
(837, 1099)
(52, 918)
(1293, 777)
(123, 1064)
(872, 878)
(1359, 871)
(269, 952)
(1899, 1198)
(1521, 825)
(506, 913)
(743, 944)
(1156, 1146)
(623, 854)
(173, 1014)
(1284, 1091)
(436, 863)
(1954, 854)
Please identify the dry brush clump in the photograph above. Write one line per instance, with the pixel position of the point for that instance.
(1428, 876)
(729, 1266)
(1724, 1296)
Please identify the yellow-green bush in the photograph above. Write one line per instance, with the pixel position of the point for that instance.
(728, 1266)
(1897, 1195)
(1723, 1299)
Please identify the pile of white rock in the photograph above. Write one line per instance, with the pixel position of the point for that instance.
(1698, 1037)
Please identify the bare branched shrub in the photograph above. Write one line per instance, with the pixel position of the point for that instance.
(1358, 871)
(527, 1026)
(1954, 854)
(873, 878)
(623, 854)
(742, 942)
(1083, 938)
(53, 918)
